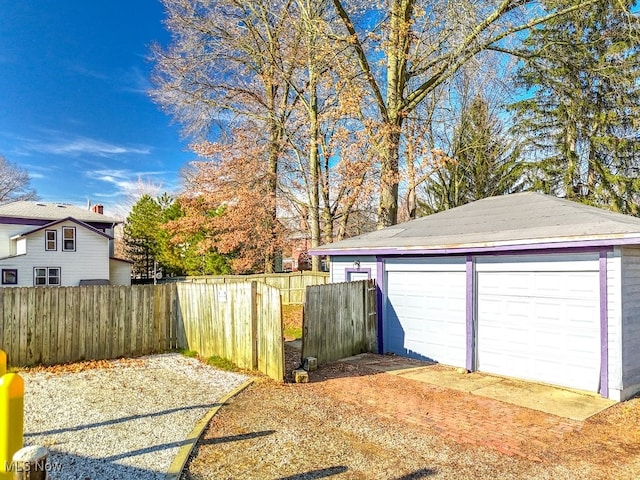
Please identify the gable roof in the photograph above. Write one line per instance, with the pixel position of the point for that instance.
(518, 221)
(52, 211)
(68, 219)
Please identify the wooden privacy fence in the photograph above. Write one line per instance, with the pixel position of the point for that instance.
(292, 286)
(54, 325)
(238, 321)
(66, 324)
(340, 320)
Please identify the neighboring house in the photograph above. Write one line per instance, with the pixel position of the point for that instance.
(48, 244)
(524, 285)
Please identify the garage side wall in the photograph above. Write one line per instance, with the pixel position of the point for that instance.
(614, 323)
(630, 279)
(350, 268)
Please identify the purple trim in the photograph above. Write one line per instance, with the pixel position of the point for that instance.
(604, 327)
(470, 309)
(39, 221)
(479, 249)
(380, 282)
(22, 221)
(68, 219)
(347, 271)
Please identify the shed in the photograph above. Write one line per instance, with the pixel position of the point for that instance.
(524, 285)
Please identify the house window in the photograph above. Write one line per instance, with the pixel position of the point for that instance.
(68, 239)
(9, 276)
(46, 276)
(51, 237)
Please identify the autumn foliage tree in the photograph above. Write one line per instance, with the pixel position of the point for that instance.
(228, 195)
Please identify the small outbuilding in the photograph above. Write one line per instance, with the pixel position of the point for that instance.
(524, 285)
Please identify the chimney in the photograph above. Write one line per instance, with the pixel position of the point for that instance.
(98, 209)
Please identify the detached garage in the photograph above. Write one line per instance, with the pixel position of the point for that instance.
(524, 285)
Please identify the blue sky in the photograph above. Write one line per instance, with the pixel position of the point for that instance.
(74, 111)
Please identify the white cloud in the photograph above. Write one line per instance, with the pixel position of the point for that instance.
(55, 142)
(88, 146)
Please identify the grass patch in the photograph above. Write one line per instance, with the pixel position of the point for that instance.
(188, 353)
(222, 363)
(292, 332)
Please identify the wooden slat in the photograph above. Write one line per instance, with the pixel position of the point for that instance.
(65, 324)
(339, 320)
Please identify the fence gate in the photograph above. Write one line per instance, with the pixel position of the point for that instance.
(340, 320)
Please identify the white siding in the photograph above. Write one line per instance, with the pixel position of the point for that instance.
(120, 272)
(630, 282)
(89, 261)
(8, 231)
(340, 265)
(614, 324)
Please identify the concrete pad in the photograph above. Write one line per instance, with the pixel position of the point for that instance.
(450, 378)
(574, 404)
(559, 401)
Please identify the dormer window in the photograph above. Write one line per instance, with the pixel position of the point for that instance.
(51, 242)
(68, 239)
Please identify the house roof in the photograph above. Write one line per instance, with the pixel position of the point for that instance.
(52, 211)
(68, 219)
(517, 221)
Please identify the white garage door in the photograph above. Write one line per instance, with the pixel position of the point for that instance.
(425, 312)
(540, 321)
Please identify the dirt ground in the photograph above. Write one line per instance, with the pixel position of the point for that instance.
(350, 422)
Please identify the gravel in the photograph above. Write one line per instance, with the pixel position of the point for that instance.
(121, 419)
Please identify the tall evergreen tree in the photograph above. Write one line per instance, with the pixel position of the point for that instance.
(581, 121)
(151, 243)
(483, 162)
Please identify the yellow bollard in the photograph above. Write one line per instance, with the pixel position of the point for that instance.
(3, 363)
(11, 421)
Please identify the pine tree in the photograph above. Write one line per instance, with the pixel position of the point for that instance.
(581, 121)
(483, 162)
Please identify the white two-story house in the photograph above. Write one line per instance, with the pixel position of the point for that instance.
(49, 244)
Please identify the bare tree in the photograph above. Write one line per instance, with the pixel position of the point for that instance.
(14, 183)
(228, 65)
(406, 49)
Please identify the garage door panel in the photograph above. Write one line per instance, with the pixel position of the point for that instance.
(548, 331)
(425, 315)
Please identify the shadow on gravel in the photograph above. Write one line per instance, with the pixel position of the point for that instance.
(321, 473)
(120, 420)
(418, 474)
(235, 438)
(61, 465)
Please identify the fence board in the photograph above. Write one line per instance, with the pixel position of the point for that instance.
(339, 320)
(292, 286)
(65, 324)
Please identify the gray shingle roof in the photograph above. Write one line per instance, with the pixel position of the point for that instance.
(517, 219)
(51, 211)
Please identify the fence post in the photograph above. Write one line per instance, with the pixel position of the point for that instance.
(254, 324)
(11, 421)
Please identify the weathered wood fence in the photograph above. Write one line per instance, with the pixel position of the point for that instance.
(292, 286)
(340, 320)
(65, 324)
(238, 321)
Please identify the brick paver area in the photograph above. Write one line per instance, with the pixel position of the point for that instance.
(463, 417)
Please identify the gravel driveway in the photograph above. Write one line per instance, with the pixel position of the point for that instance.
(354, 423)
(122, 419)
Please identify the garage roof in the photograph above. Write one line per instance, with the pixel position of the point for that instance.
(520, 221)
